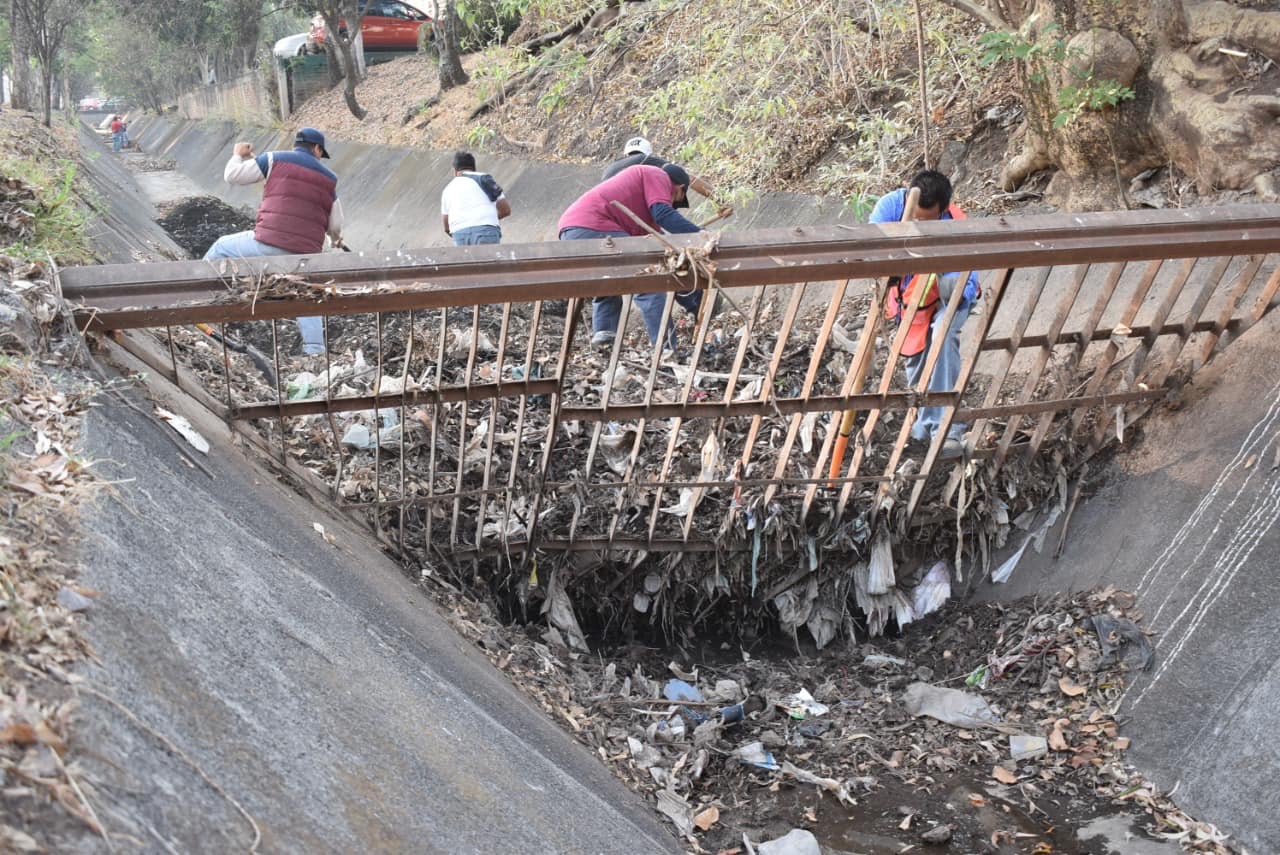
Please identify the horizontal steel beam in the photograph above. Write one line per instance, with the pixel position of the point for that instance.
(150, 295)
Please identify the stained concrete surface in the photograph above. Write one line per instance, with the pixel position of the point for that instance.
(313, 682)
(1188, 523)
(391, 195)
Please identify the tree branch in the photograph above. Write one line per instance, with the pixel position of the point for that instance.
(980, 13)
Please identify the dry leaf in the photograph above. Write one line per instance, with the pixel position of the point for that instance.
(19, 733)
(1004, 776)
(1070, 688)
(1057, 741)
(707, 818)
(1122, 744)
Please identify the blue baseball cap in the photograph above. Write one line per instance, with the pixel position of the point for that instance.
(310, 136)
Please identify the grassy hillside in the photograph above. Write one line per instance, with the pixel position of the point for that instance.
(813, 96)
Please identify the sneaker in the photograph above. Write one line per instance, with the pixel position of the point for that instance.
(951, 449)
(603, 338)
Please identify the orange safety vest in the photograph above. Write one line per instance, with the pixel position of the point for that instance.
(907, 291)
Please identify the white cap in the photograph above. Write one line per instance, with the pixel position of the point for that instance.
(638, 145)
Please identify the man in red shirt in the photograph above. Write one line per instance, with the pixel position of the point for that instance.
(652, 193)
(117, 133)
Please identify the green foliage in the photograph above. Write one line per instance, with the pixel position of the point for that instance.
(1048, 58)
(479, 136)
(60, 217)
(488, 22)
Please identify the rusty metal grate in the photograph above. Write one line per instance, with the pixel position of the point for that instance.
(501, 431)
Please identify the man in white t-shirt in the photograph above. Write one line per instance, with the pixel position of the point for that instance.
(472, 203)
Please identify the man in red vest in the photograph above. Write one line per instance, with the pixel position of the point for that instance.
(931, 293)
(299, 207)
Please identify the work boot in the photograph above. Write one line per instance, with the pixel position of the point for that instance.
(603, 338)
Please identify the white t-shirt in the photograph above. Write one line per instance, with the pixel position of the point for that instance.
(466, 205)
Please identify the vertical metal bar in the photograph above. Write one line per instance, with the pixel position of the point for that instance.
(860, 361)
(436, 410)
(553, 422)
(173, 358)
(1263, 303)
(377, 428)
(873, 415)
(704, 326)
(328, 408)
(524, 401)
(922, 386)
(655, 359)
(1081, 344)
(994, 298)
(615, 351)
(806, 388)
(1002, 372)
(1247, 276)
(499, 363)
(462, 429)
(1060, 315)
(404, 424)
(1109, 355)
(766, 390)
(281, 421)
(1138, 357)
(226, 366)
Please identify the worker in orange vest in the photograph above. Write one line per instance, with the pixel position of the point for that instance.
(931, 293)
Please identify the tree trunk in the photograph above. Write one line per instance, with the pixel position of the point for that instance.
(1197, 104)
(46, 86)
(20, 98)
(68, 109)
(447, 26)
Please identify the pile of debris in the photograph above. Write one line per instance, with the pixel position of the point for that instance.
(196, 222)
(483, 460)
(18, 205)
(990, 725)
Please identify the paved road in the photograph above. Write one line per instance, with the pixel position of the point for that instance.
(1190, 525)
(314, 683)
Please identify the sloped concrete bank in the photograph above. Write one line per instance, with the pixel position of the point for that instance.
(303, 674)
(391, 195)
(1191, 526)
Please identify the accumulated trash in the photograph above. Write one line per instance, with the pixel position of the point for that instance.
(797, 841)
(1025, 747)
(933, 591)
(754, 754)
(1122, 642)
(949, 705)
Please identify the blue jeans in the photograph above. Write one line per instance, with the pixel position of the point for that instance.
(475, 235)
(945, 373)
(245, 245)
(117, 140)
(606, 311)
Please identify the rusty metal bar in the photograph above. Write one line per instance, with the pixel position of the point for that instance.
(865, 435)
(1080, 344)
(1032, 381)
(766, 392)
(1263, 304)
(926, 377)
(114, 297)
(1103, 366)
(534, 324)
(553, 423)
(1245, 280)
(811, 374)
(994, 297)
(500, 367)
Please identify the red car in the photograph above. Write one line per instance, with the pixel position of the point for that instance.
(386, 25)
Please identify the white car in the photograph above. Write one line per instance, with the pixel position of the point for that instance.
(291, 46)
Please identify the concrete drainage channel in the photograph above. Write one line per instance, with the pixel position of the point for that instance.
(853, 830)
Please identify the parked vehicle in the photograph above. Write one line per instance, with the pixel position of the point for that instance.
(90, 105)
(386, 25)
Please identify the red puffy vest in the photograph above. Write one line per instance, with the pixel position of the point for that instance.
(296, 202)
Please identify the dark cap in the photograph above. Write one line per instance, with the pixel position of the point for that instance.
(678, 176)
(310, 136)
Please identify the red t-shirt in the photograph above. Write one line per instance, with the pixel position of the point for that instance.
(637, 187)
(117, 126)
